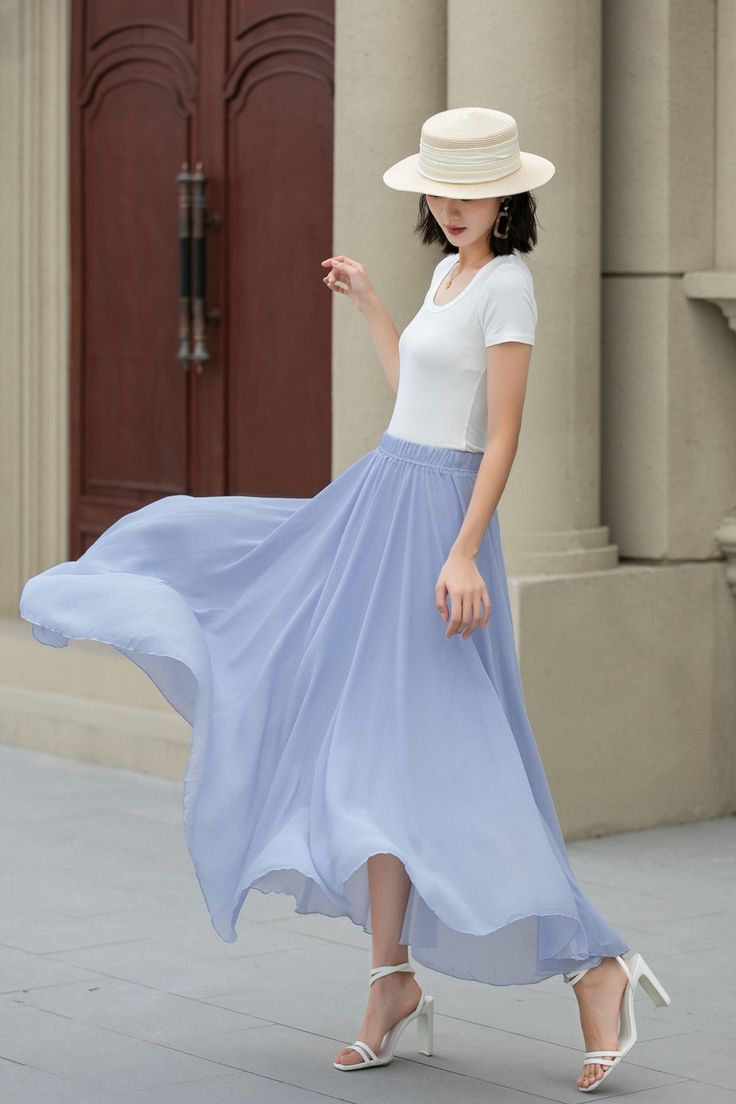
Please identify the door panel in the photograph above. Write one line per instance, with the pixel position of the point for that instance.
(279, 134)
(245, 88)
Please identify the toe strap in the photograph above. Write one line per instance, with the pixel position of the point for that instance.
(364, 1050)
(601, 1057)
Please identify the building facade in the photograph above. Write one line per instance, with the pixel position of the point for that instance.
(619, 517)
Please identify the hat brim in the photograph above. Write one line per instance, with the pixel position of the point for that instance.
(534, 171)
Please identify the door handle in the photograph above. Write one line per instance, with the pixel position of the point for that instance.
(194, 222)
(200, 355)
(183, 181)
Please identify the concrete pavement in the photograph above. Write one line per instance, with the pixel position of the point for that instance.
(115, 988)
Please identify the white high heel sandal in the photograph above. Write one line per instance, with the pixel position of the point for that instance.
(637, 971)
(423, 1014)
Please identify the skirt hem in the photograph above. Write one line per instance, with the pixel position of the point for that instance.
(562, 964)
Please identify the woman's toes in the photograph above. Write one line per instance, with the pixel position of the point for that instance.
(590, 1074)
(348, 1056)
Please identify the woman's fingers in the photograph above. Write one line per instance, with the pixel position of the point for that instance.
(332, 283)
(441, 593)
(470, 602)
(340, 262)
(456, 615)
(468, 622)
(332, 277)
(470, 610)
(476, 613)
(349, 277)
(338, 278)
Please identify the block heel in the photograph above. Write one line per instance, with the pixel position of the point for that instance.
(425, 1027)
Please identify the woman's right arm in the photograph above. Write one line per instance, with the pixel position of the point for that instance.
(385, 338)
(349, 278)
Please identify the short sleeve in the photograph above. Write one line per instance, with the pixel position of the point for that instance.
(508, 310)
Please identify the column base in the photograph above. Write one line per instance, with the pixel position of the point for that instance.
(564, 552)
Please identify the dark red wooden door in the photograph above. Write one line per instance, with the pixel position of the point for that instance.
(246, 89)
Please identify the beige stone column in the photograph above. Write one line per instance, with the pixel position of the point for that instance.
(669, 360)
(542, 64)
(34, 45)
(725, 223)
(389, 77)
(725, 169)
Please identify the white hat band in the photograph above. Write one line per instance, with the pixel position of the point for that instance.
(466, 166)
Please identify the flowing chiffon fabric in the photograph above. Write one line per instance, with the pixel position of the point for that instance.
(331, 717)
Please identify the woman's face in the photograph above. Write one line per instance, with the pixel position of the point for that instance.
(470, 218)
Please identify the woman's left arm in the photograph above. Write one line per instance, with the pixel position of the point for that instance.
(507, 370)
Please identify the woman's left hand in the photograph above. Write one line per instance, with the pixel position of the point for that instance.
(461, 579)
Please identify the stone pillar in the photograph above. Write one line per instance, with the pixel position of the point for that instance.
(725, 169)
(725, 215)
(34, 303)
(550, 510)
(389, 77)
(669, 361)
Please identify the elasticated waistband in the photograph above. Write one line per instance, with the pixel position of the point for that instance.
(435, 456)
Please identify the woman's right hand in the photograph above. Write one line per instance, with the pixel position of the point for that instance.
(348, 277)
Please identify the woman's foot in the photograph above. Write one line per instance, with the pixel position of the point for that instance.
(390, 998)
(599, 994)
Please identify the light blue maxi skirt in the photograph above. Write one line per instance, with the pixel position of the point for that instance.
(331, 717)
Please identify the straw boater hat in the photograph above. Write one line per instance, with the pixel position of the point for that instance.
(469, 153)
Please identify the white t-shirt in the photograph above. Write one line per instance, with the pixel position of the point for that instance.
(441, 399)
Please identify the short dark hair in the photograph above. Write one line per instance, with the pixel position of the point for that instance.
(522, 230)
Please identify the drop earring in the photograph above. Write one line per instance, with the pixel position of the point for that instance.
(503, 213)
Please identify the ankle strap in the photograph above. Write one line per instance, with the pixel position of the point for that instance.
(380, 971)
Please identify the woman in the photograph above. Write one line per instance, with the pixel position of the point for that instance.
(347, 661)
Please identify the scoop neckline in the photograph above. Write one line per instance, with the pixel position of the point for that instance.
(433, 288)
